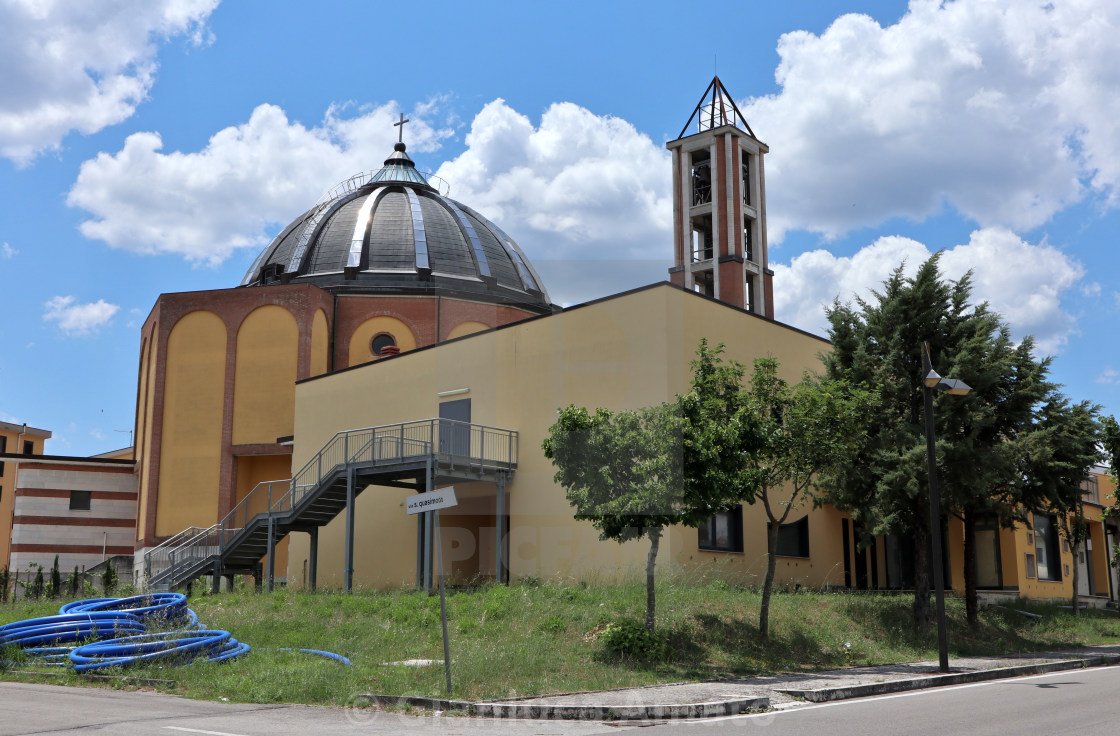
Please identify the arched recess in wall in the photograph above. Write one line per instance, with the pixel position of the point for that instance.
(467, 328)
(362, 337)
(193, 409)
(265, 376)
(142, 440)
(320, 343)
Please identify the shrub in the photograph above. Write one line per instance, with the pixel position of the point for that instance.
(54, 587)
(109, 579)
(74, 583)
(630, 637)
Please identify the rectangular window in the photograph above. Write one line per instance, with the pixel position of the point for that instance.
(1092, 489)
(28, 447)
(1030, 565)
(723, 532)
(79, 500)
(1046, 548)
(748, 238)
(3, 448)
(793, 538)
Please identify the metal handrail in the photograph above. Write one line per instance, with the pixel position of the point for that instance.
(471, 445)
(157, 556)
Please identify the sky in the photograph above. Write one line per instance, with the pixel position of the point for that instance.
(156, 146)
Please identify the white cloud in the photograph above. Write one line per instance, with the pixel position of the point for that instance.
(81, 65)
(579, 185)
(1024, 282)
(78, 319)
(204, 205)
(1109, 375)
(7, 251)
(1007, 111)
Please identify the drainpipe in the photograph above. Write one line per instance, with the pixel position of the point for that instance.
(104, 544)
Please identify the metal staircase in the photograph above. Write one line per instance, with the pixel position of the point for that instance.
(417, 455)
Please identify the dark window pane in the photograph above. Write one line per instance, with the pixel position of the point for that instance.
(793, 538)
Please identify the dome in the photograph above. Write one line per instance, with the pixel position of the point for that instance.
(392, 232)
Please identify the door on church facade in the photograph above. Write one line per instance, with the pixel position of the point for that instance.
(455, 439)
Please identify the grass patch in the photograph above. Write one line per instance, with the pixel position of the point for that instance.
(546, 637)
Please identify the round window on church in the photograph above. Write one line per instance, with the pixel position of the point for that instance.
(380, 342)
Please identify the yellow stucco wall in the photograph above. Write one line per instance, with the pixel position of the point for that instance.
(626, 352)
(320, 344)
(192, 423)
(466, 328)
(360, 340)
(267, 352)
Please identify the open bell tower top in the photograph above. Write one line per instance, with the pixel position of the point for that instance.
(719, 206)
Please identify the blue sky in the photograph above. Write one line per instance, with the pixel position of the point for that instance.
(156, 146)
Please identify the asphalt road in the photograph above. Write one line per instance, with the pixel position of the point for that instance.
(1078, 701)
(1081, 701)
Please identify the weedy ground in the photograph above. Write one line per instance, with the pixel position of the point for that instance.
(542, 637)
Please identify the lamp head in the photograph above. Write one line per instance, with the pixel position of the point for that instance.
(954, 386)
(932, 379)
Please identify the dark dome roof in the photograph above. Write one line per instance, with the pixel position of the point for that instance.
(393, 232)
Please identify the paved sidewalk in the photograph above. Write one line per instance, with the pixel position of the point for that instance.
(729, 697)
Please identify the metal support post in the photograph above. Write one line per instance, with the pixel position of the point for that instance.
(216, 581)
(428, 530)
(443, 608)
(419, 550)
(936, 563)
(349, 573)
(313, 557)
(271, 552)
(500, 575)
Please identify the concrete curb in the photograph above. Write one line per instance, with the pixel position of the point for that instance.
(416, 701)
(620, 712)
(827, 695)
(545, 712)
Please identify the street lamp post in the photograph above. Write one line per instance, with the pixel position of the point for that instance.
(931, 382)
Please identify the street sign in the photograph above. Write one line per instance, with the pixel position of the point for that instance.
(444, 498)
(433, 501)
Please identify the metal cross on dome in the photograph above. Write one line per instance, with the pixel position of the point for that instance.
(400, 126)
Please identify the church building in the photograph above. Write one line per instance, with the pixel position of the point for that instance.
(392, 341)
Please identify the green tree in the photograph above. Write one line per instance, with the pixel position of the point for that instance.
(802, 430)
(622, 472)
(37, 583)
(1110, 441)
(109, 578)
(877, 343)
(985, 439)
(54, 587)
(74, 583)
(718, 429)
(1068, 446)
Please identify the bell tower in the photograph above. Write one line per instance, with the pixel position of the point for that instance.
(719, 206)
